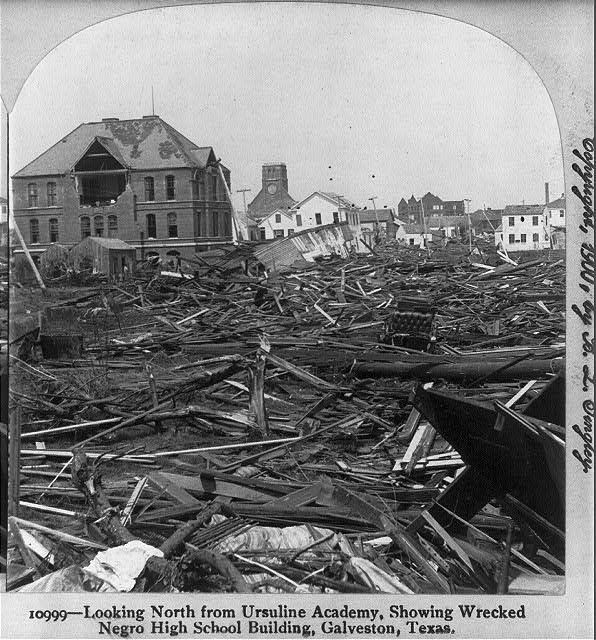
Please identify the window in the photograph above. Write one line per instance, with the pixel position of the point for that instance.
(535, 221)
(335, 217)
(561, 213)
(51, 194)
(215, 224)
(436, 207)
(34, 231)
(534, 237)
(170, 188)
(213, 181)
(32, 193)
(412, 241)
(98, 226)
(511, 238)
(278, 217)
(290, 232)
(317, 218)
(172, 225)
(523, 237)
(278, 233)
(53, 225)
(298, 220)
(511, 221)
(150, 189)
(85, 227)
(262, 233)
(112, 226)
(151, 226)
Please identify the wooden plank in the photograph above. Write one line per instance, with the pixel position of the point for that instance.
(171, 486)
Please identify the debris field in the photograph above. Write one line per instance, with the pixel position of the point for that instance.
(391, 422)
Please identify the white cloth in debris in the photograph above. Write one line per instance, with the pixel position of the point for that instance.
(120, 566)
(270, 539)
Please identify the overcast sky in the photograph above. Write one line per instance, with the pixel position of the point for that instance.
(384, 102)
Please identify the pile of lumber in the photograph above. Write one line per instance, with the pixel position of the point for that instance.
(256, 429)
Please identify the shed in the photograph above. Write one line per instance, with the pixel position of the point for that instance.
(105, 255)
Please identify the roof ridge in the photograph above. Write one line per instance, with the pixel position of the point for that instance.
(15, 175)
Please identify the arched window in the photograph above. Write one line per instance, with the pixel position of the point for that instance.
(170, 188)
(34, 231)
(53, 225)
(172, 225)
(151, 226)
(112, 226)
(32, 193)
(85, 227)
(52, 201)
(149, 189)
(98, 226)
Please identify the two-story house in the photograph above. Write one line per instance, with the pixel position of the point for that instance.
(138, 180)
(523, 228)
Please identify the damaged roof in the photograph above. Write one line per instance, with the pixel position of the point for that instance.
(142, 144)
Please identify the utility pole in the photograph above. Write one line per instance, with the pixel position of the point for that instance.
(467, 206)
(424, 225)
(243, 192)
(372, 199)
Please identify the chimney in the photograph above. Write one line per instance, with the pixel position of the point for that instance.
(546, 197)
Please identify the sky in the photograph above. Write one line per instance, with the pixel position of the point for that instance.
(360, 100)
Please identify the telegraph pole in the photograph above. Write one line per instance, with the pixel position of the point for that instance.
(467, 205)
(243, 192)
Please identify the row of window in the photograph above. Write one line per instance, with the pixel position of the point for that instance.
(170, 188)
(535, 220)
(318, 218)
(523, 238)
(170, 184)
(34, 230)
(33, 194)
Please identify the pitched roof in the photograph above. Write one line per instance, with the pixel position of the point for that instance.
(376, 215)
(141, 143)
(330, 197)
(265, 203)
(523, 209)
(559, 203)
(410, 227)
(288, 214)
(491, 214)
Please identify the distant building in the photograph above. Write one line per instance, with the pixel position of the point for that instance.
(555, 213)
(523, 228)
(138, 180)
(429, 205)
(412, 234)
(448, 226)
(378, 223)
(278, 224)
(3, 209)
(274, 194)
(322, 208)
